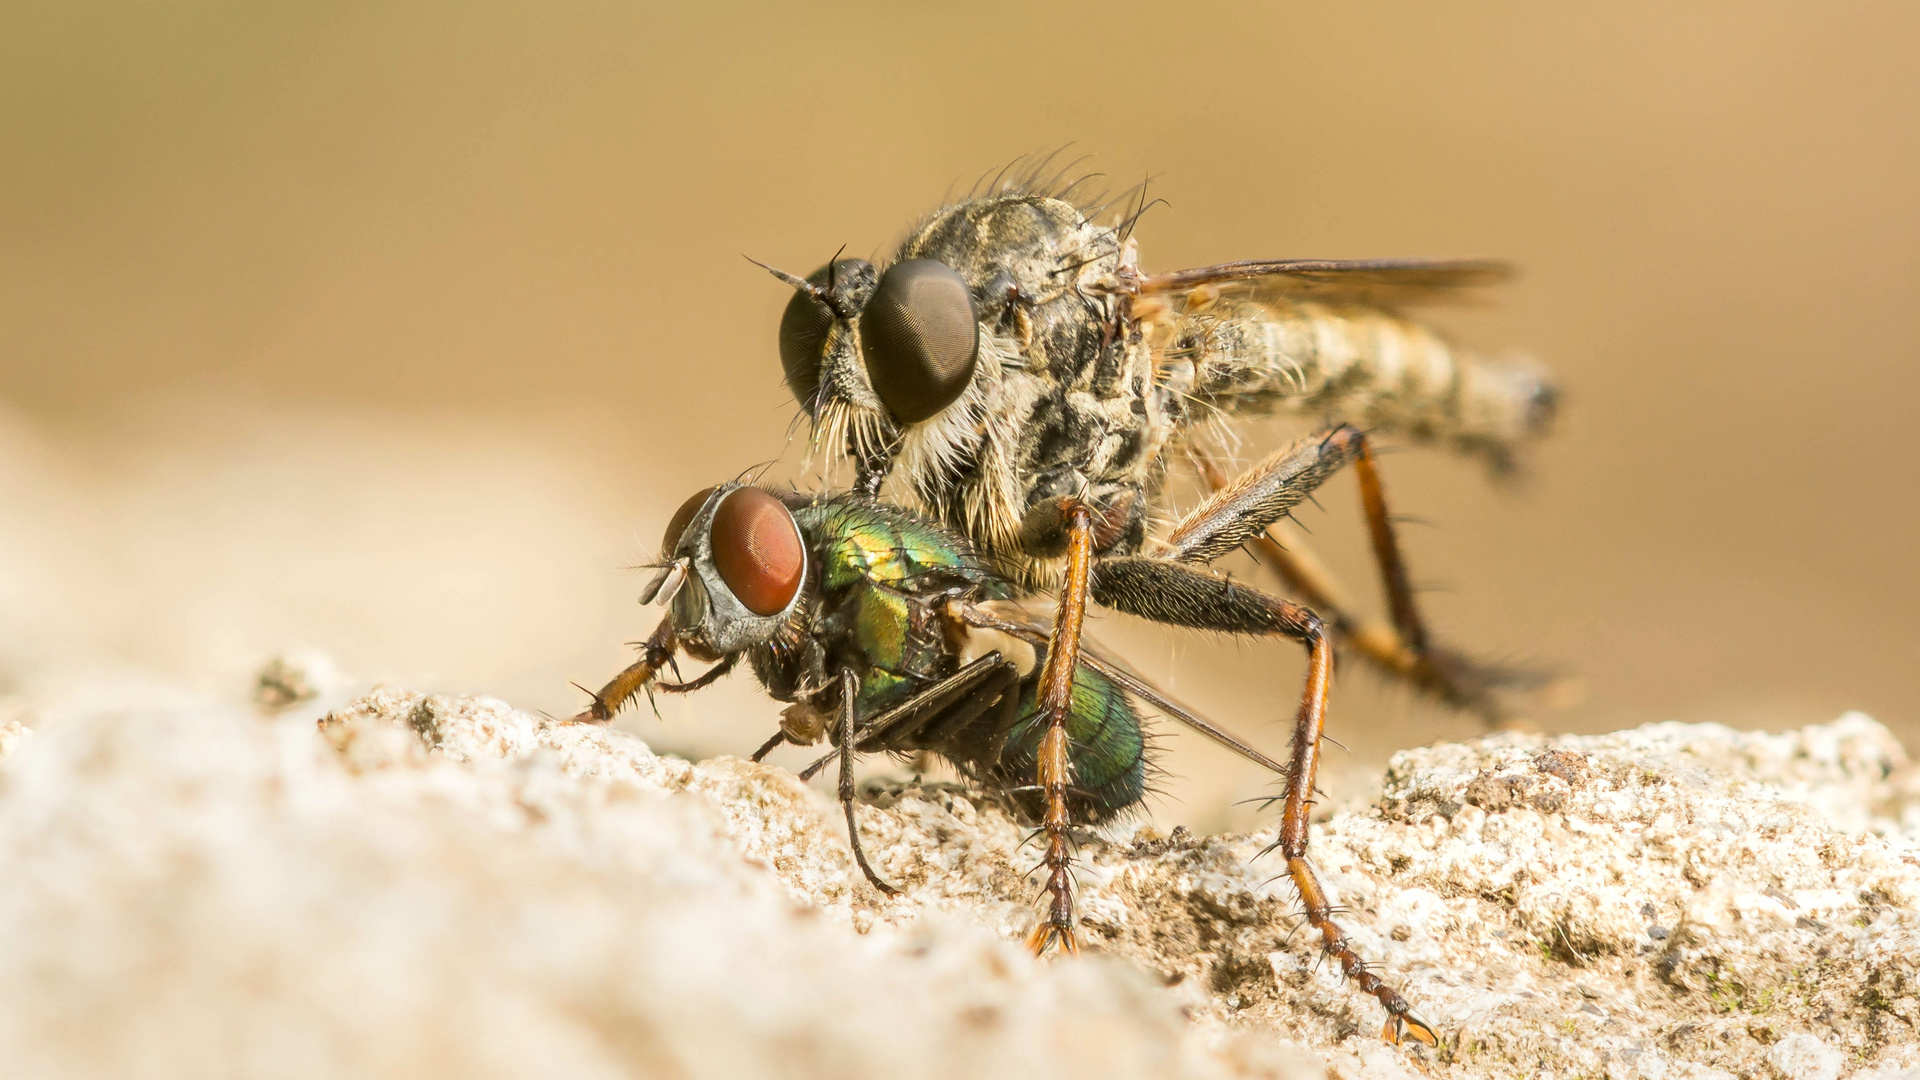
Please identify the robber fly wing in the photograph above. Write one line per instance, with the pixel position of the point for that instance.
(1012, 619)
(1385, 283)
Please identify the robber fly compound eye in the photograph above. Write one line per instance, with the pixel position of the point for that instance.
(921, 338)
(758, 550)
(836, 290)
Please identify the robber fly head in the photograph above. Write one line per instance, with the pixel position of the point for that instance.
(734, 569)
(878, 352)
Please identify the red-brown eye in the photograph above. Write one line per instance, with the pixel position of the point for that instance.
(757, 549)
(679, 522)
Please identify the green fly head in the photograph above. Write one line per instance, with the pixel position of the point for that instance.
(735, 567)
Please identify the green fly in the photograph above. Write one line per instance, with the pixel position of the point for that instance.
(885, 632)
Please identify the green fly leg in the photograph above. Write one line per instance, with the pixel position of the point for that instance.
(849, 695)
(655, 653)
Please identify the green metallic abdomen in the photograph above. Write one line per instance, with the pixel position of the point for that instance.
(1106, 747)
(877, 564)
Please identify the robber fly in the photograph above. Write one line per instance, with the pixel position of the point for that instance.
(1018, 376)
(885, 632)
(1011, 357)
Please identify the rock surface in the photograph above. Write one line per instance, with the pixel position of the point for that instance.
(434, 886)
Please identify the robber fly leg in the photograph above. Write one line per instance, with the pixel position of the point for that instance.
(1168, 592)
(654, 655)
(849, 694)
(1055, 699)
(1402, 649)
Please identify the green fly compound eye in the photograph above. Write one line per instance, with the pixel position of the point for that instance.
(681, 519)
(758, 551)
(920, 337)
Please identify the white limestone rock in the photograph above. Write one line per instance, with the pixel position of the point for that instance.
(434, 886)
(194, 891)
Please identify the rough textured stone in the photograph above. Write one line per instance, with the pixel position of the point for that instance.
(434, 886)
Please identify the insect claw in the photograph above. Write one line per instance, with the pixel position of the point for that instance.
(1039, 937)
(1405, 1024)
(1045, 934)
(588, 715)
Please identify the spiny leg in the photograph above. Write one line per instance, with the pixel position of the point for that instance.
(1454, 678)
(768, 747)
(701, 681)
(1386, 546)
(1122, 675)
(1302, 572)
(1169, 592)
(1402, 649)
(1055, 701)
(849, 694)
(654, 655)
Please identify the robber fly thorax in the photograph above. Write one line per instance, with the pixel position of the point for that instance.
(1012, 351)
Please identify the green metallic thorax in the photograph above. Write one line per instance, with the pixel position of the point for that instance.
(880, 575)
(880, 569)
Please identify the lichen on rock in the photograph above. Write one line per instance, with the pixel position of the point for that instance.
(436, 886)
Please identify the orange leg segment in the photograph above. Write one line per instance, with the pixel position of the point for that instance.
(1056, 704)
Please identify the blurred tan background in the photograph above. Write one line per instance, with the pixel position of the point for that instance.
(397, 331)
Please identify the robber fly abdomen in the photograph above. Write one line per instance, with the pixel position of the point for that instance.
(1365, 365)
